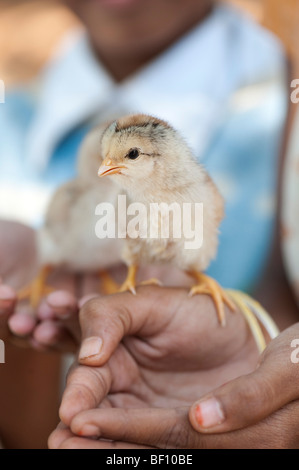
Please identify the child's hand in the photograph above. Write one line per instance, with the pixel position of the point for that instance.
(258, 410)
(47, 327)
(58, 314)
(17, 265)
(7, 305)
(55, 324)
(159, 348)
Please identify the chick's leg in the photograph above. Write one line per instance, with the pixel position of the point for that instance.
(37, 288)
(130, 282)
(207, 285)
(108, 285)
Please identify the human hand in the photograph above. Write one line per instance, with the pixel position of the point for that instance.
(55, 324)
(158, 349)
(258, 410)
(17, 260)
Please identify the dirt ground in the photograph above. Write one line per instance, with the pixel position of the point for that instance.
(30, 29)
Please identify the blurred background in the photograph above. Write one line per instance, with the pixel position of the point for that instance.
(30, 29)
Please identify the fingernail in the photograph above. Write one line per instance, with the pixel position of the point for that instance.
(89, 430)
(63, 303)
(63, 314)
(7, 296)
(90, 347)
(209, 413)
(6, 293)
(21, 324)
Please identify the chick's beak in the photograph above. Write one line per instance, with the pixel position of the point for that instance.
(107, 169)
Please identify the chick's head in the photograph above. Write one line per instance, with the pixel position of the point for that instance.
(136, 148)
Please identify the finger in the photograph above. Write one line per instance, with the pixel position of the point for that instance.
(86, 298)
(90, 283)
(251, 398)
(8, 299)
(65, 307)
(148, 426)
(22, 323)
(59, 304)
(88, 387)
(60, 434)
(44, 311)
(60, 323)
(81, 443)
(55, 336)
(63, 304)
(107, 319)
(169, 429)
(85, 389)
(165, 428)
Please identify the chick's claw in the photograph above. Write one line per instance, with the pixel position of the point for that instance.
(130, 282)
(128, 286)
(209, 286)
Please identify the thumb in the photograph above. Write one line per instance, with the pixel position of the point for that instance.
(250, 398)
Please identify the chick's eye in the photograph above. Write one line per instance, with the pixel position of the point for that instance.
(133, 154)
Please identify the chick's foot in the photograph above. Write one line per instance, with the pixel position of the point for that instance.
(108, 285)
(130, 282)
(37, 289)
(207, 285)
(151, 282)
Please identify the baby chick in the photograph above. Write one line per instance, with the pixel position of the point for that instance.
(67, 237)
(153, 164)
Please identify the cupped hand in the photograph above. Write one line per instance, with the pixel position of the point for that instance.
(257, 410)
(160, 348)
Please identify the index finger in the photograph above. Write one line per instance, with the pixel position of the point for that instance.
(8, 300)
(86, 387)
(89, 387)
(106, 320)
